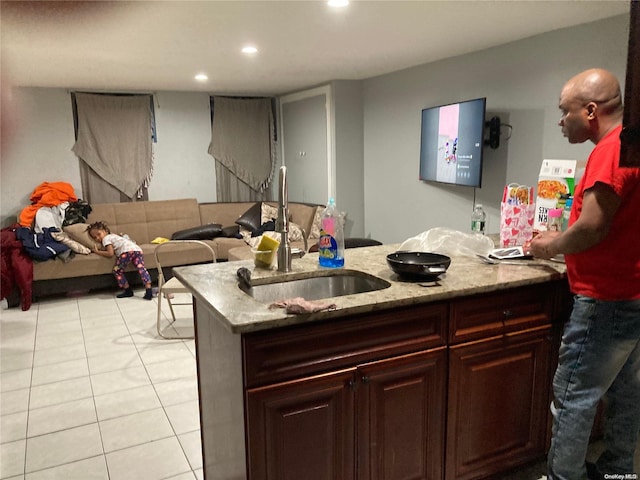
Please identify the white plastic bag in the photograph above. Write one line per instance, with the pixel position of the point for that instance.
(449, 242)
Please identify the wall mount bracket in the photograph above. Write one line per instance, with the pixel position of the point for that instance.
(494, 132)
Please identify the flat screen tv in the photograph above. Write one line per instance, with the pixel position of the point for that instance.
(451, 143)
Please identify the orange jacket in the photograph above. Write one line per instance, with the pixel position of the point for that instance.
(47, 194)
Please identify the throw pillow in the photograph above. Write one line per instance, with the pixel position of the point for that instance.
(78, 232)
(201, 232)
(269, 213)
(65, 239)
(251, 219)
(295, 232)
(232, 231)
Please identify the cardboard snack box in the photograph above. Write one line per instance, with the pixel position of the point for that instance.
(557, 177)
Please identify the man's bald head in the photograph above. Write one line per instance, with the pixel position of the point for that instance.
(596, 85)
(591, 105)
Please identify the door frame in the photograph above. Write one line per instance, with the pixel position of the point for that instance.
(327, 91)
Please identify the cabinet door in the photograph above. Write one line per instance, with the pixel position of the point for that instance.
(498, 403)
(302, 429)
(400, 426)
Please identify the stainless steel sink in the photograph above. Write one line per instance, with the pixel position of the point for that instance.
(322, 285)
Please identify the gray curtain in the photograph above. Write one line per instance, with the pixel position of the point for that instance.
(242, 144)
(96, 190)
(114, 146)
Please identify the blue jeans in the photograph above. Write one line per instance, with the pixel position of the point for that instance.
(599, 357)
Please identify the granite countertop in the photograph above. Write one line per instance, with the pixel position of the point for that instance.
(215, 286)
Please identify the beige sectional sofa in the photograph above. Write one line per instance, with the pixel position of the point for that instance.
(144, 222)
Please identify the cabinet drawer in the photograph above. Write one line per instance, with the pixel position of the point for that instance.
(503, 312)
(286, 353)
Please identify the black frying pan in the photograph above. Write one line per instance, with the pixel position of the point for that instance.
(418, 265)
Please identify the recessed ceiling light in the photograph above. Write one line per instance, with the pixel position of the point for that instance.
(249, 49)
(338, 3)
(201, 77)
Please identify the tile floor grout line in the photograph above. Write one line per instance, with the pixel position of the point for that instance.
(93, 393)
(33, 359)
(153, 385)
(60, 465)
(163, 406)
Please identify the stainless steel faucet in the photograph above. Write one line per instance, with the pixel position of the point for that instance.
(285, 252)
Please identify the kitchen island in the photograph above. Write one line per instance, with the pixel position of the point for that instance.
(447, 379)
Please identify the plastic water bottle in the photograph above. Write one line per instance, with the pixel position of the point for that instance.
(478, 219)
(331, 241)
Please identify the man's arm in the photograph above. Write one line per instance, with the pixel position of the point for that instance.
(599, 206)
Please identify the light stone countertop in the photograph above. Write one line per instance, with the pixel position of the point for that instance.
(216, 286)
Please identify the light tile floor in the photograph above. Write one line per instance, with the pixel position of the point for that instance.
(89, 391)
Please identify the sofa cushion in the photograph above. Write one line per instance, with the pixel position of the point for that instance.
(93, 264)
(223, 213)
(79, 233)
(252, 218)
(79, 266)
(202, 232)
(314, 231)
(144, 221)
(223, 245)
(303, 214)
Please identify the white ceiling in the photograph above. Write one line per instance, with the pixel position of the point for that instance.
(161, 45)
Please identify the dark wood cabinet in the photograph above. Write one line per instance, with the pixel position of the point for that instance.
(400, 428)
(302, 429)
(497, 409)
(501, 356)
(378, 416)
(453, 390)
(382, 420)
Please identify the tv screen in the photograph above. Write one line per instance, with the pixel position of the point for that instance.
(451, 142)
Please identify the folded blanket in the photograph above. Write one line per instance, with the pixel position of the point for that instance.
(300, 305)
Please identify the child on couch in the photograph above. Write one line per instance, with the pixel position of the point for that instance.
(126, 252)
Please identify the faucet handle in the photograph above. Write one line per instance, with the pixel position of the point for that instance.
(297, 252)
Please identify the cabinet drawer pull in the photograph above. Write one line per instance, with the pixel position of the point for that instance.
(352, 384)
(507, 314)
(364, 379)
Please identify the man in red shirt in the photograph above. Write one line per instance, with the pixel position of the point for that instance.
(600, 351)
